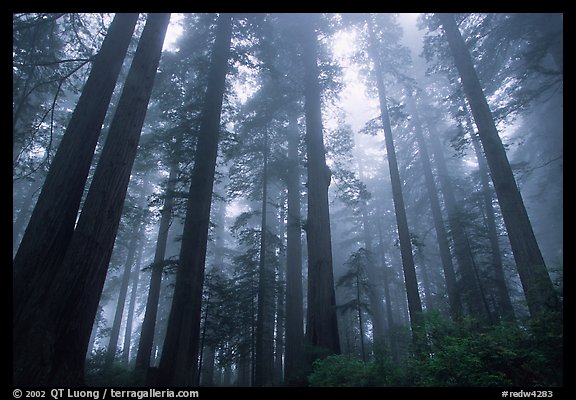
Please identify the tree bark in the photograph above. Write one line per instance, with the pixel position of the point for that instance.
(322, 323)
(505, 308)
(115, 332)
(179, 361)
(359, 311)
(468, 287)
(51, 224)
(414, 303)
(387, 297)
(294, 293)
(374, 289)
(132, 306)
(536, 282)
(207, 375)
(59, 330)
(265, 314)
(244, 364)
(149, 324)
(278, 378)
(454, 303)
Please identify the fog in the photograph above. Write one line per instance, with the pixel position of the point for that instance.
(258, 200)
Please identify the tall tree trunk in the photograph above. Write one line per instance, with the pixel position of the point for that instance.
(536, 282)
(294, 292)
(426, 286)
(115, 332)
(359, 311)
(207, 315)
(253, 310)
(387, 297)
(208, 351)
(374, 289)
(149, 324)
(322, 322)
(278, 378)
(179, 362)
(454, 303)
(207, 375)
(244, 364)
(132, 306)
(505, 308)
(51, 224)
(414, 303)
(60, 329)
(375, 296)
(468, 287)
(264, 322)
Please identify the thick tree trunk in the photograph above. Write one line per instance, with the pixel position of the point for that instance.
(536, 282)
(454, 303)
(59, 330)
(51, 224)
(414, 303)
(322, 323)
(149, 324)
(179, 362)
(294, 292)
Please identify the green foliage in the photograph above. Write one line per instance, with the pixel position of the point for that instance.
(502, 355)
(458, 358)
(118, 374)
(461, 354)
(340, 370)
(346, 371)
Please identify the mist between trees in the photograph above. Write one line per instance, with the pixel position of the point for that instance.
(287, 199)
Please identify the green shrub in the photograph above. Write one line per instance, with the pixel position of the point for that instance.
(340, 370)
(117, 374)
(461, 354)
(501, 355)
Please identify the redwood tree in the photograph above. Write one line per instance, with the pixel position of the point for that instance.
(536, 282)
(50, 343)
(149, 323)
(454, 303)
(414, 303)
(179, 362)
(52, 222)
(322, 324)
(294, 295)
